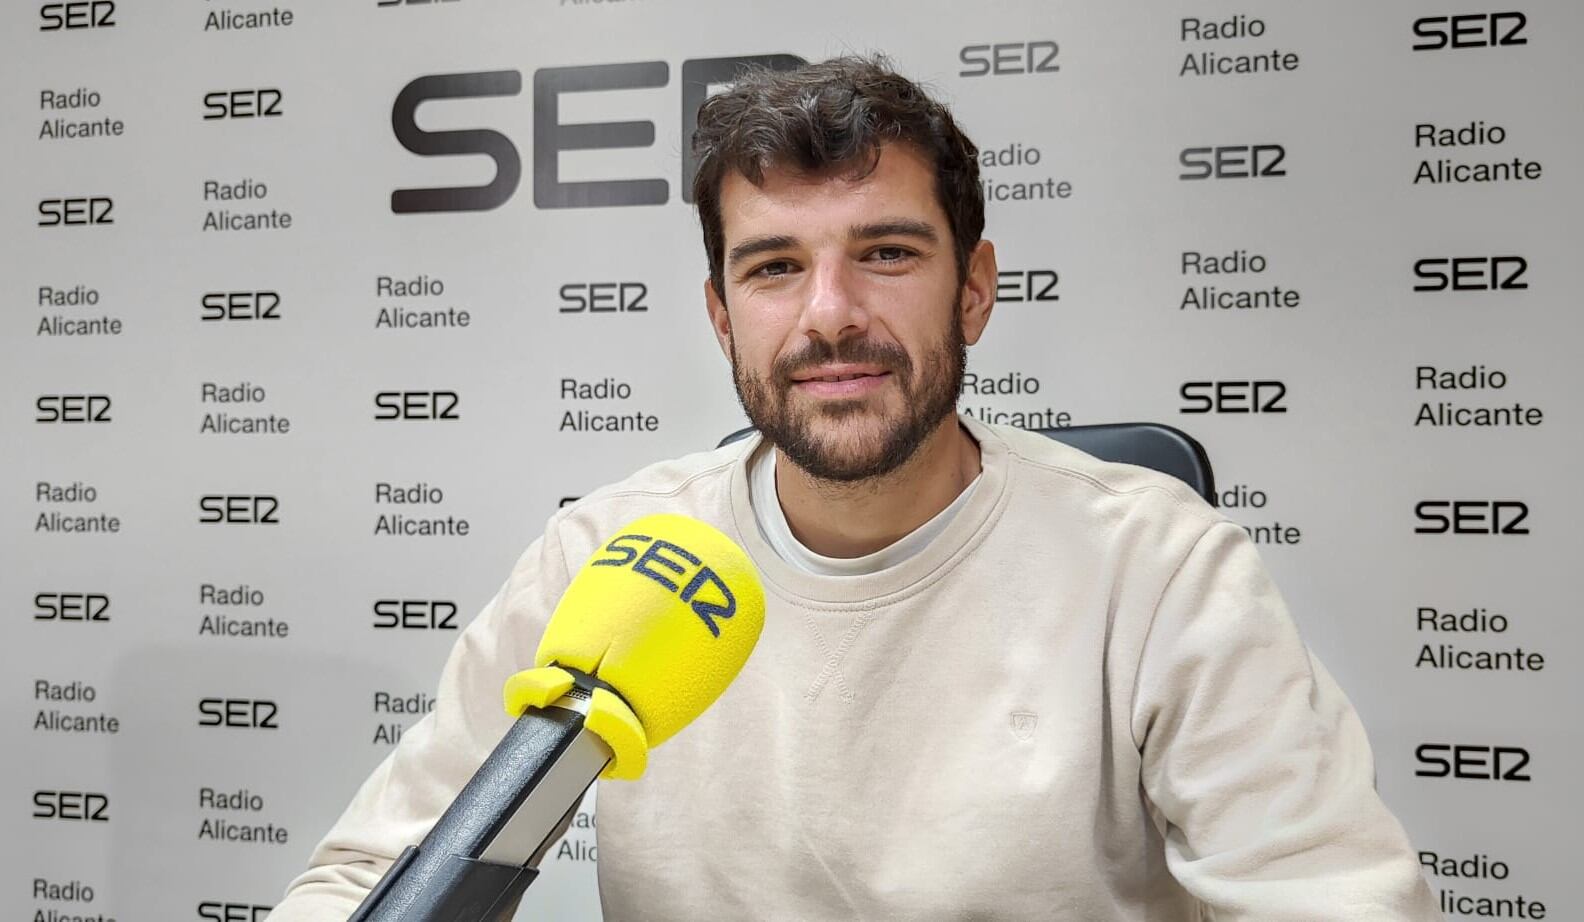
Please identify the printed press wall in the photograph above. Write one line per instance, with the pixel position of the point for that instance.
(313, 313)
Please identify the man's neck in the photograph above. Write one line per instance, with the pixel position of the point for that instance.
(854, 519)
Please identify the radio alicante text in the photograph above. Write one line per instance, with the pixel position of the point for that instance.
(586, 421)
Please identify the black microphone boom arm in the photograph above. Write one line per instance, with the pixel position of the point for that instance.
(484, 851)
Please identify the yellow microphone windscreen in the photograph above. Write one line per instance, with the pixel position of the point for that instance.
(666, 612)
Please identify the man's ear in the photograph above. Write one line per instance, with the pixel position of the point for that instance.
(720, 321)
(978, 292)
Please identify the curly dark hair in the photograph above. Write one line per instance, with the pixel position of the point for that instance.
(828, 117)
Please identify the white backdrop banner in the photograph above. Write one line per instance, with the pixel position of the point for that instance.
(313, 313)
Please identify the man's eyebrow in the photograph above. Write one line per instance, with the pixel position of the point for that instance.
(756, 245)
(894, 227)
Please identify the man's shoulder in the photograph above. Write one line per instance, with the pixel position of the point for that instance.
(697, 485)
(1046, 469)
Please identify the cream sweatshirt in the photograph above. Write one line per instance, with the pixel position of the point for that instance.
(1083, 700)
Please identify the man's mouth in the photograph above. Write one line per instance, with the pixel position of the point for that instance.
(839, 380)
(839, 377)
(837, 372)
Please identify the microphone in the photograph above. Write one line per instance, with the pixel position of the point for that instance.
(647, 635)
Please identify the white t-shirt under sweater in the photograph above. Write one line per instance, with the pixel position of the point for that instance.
(1084, 700)
(773, 527)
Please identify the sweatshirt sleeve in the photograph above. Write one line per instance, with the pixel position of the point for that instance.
(1255, 759)
(402, 799)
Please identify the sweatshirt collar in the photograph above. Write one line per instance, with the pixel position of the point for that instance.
(894, 583)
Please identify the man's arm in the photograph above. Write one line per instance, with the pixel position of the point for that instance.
(404, 796)
(1256, 761)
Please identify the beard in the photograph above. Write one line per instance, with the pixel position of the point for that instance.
(846, 441)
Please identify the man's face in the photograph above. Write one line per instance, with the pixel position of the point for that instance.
(842, 315)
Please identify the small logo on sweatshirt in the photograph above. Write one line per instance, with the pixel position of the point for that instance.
(1023, 724)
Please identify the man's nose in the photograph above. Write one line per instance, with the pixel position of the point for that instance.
(835, 309)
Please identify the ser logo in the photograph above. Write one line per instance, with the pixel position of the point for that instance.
(1484, 763)
(263, 102)
(417, 405)
(603, 297)
(242, 713)
(1234, 161)
(415, 615)
(668, 556)
(71, 606)
(1470, 30)
(1471, 273)
(551, 136)
(1017, 286)
(1471, 517)
(232, 912)
(1007, 58)
(238, 509)
(87, 806)
(72, 408)
(1233, 397)
(76, 212)
(82, 14)
(241, 305)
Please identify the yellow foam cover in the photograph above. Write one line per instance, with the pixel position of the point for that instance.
(666, 612)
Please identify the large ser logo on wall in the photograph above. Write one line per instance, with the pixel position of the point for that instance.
(552, 136)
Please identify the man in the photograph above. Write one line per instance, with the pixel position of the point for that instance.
(998, 678)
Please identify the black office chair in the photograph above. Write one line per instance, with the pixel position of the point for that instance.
(1152, 445)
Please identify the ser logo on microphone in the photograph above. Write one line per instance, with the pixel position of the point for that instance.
(624, 551)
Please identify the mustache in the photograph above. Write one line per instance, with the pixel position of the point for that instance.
(890, 356)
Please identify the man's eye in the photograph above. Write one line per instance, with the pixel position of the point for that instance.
(891, 254)
(773, 269)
